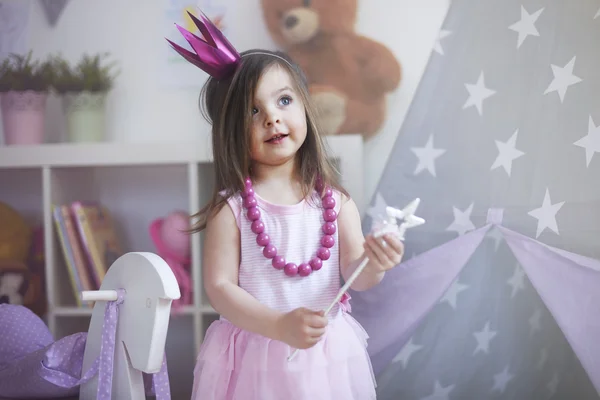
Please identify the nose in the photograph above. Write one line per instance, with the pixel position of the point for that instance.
(272, 118)
(291, 21)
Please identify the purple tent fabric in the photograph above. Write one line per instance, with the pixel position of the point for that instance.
(33, 365)
(569, 284)
(505, 118)
(417, 285)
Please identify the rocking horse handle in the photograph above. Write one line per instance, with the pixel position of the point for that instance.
(99, 295)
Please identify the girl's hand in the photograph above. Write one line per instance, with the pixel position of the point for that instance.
(384, 252)
(301, 328)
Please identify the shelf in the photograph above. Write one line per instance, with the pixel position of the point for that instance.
(126, 153)
(347, 150)
(102, 154)
(131, 196)
(87, 312)
(137, 182)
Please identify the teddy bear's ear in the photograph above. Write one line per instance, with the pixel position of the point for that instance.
(214, 54)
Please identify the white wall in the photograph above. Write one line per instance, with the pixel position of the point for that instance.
(143, 109)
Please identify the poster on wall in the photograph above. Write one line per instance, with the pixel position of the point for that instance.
(176, 72)
(14, 21)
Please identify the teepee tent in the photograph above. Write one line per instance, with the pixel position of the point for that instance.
(499, 293)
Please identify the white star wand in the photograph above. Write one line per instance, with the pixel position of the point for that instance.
(389, 225)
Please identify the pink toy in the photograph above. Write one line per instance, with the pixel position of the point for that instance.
(174, 246)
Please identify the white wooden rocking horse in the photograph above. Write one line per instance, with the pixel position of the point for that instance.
(145, 286)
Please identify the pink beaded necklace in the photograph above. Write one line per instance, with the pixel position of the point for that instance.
(270, 251)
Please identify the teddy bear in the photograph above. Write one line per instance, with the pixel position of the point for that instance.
(15, 242)
(349, 75)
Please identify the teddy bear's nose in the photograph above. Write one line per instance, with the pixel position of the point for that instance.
(291, 21)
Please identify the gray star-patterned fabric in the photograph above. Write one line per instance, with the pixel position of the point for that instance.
(497, 296)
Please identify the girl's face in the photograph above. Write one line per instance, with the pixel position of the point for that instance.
(278, 119)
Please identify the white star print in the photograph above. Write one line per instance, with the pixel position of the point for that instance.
(502, 379)
(407, 351)
(507, 152)
(439, 392)
(452, 293)
(427, 156)
(543, 359)
(553, 384)
(477, 94)
(377, 211)
(517, 280)
(590, 142)
(546, 215)
(526, 26)
(535, 321)
(483, 339)
(462, 221)
(563, 78)
(437, 47)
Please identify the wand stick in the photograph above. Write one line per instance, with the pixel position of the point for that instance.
(390, 226)
(343, 290)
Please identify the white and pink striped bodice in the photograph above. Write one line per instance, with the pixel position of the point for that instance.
(296, 232)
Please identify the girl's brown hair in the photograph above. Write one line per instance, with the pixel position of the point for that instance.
(227, 104)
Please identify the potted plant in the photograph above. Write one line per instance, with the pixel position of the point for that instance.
(24, 88)
(83, 90)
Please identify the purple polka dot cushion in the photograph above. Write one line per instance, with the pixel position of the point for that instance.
(21, 332)
(30, 359)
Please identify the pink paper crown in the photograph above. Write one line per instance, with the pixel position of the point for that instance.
(214, 54)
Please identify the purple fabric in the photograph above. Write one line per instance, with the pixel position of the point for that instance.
(27, 349)
(413, 287)
(32, 365)
(569, 284)
(21, 332)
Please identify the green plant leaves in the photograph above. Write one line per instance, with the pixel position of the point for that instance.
(22, 73)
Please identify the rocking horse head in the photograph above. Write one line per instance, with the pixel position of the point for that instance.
(148, 287)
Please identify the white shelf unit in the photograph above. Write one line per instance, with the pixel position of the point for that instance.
(138, 183)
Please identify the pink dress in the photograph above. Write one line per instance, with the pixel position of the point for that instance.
(234, 364)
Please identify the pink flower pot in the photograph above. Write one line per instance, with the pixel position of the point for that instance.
(23, 117)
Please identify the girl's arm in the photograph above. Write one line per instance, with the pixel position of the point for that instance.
(221, 259)
(353, 249)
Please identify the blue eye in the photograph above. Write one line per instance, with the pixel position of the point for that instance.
(254, 111)
(286, 100)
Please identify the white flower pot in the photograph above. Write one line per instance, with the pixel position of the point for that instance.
(85, 114)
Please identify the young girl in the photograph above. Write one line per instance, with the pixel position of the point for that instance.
(279, 232)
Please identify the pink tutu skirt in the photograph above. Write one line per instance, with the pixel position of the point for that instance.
(234, 364)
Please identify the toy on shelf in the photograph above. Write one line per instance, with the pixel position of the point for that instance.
(122, 356)
(173, 244)
(16, 285)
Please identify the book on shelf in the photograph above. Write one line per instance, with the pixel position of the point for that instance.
(89, 243)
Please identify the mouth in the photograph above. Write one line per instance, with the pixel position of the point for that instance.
(277, 138)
